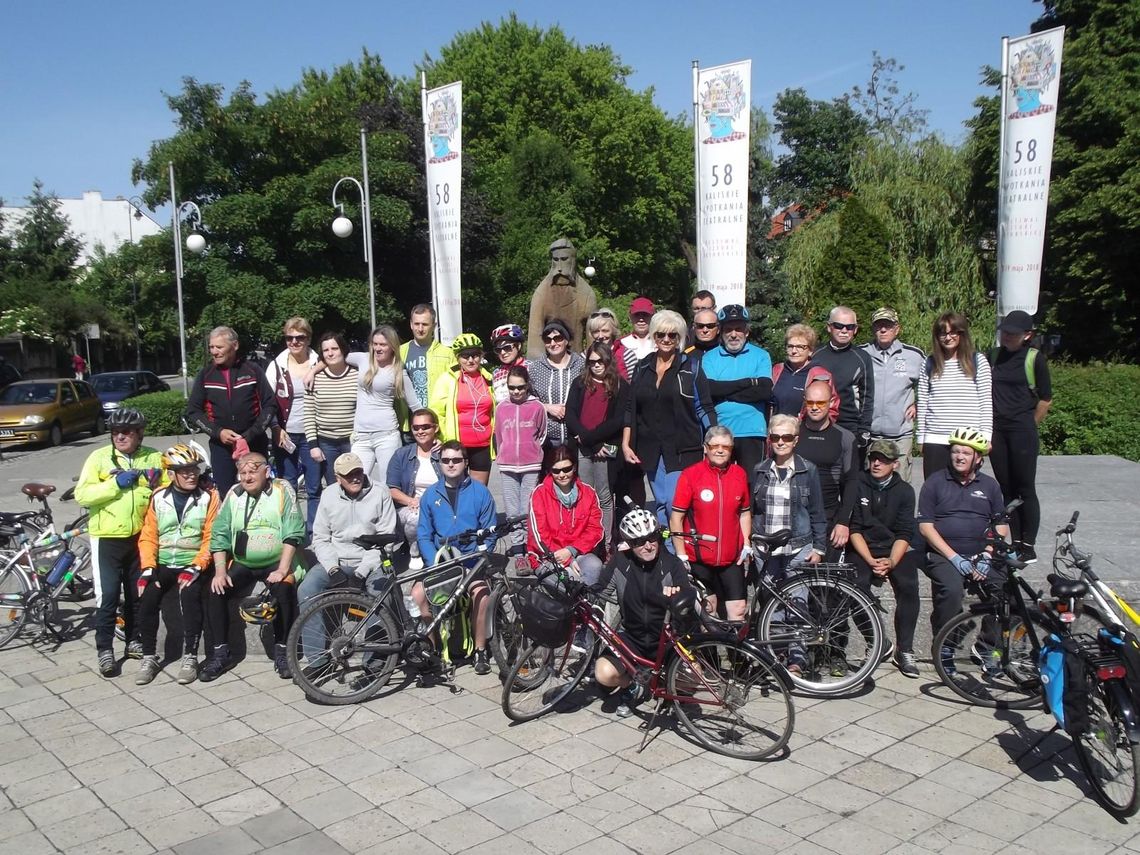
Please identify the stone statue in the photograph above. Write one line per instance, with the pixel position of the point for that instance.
(563, 294)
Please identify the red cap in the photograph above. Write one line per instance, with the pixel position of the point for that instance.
(641, 304)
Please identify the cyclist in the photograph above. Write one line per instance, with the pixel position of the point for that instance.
(645, 577)
(954, 510)
(566, 518)
(712, 497)
(448, 507)
(255, 538)
(506, 341)
(174, 551)
(115, 485)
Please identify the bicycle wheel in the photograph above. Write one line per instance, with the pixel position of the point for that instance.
(1110, 759)
(341, 668)
(974, 661)
(735, 703)
(14, 593)
(507, 637)
(827, 628)
(542, 678)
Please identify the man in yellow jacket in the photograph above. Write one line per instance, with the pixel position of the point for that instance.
(115, 485)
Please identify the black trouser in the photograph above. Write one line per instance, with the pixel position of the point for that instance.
(935, 458)
(115, 565)
(164, 581)
(904, 582)
(948, 588)
(1014, 458)
(225, 467)
(749, 450)
(217, 605)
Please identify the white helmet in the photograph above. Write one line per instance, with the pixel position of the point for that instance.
(638, 523)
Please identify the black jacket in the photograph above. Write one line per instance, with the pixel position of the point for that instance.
(883, 515)
(665, 420)
(243, 402)
(854, 376)
(640, 594)
(590, 441)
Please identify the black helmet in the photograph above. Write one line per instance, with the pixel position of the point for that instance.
(126, 417)
(259, 609)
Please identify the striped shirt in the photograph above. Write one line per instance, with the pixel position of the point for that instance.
(331, 406)
(952, 400)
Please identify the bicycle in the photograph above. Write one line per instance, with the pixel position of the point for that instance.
(729, 695)
(363, 637)
(26, 591)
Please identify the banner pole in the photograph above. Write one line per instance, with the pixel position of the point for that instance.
(697, 169)
(1000, 202)
(427, 196)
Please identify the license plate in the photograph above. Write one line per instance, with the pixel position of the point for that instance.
(6, 432)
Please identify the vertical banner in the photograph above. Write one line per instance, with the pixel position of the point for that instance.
(722, 97)
(443, 144)
(1030, 88)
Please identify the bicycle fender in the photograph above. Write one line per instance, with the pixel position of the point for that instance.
(1123, 699)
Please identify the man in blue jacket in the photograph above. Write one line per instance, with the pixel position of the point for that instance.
(735, 380)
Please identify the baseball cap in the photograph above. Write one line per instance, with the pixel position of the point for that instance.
(885, 313)
(733, 312)
(347, 463)
(888, 448)
(641, 304)
(1018, 322)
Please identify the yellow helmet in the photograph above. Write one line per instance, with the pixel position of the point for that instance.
(466, 341)
(971, 438)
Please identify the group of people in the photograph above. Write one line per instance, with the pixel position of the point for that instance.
(402, 438)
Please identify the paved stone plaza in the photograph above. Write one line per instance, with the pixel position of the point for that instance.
(247, 764)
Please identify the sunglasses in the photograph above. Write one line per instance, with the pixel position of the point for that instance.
(848, 327)
(596, 361)
(641, 541)
(251, 468)
(419, 428)
(452, 461)
(711, 326)
(666, 336)
(878, 458)
(553, 337)
(296, 337)
(819, 403)
(124, 431)
(561, 470)
(950, 334)
(787, 438)
(510, 345)
(517, 388)
(719, 447)
(471, 354)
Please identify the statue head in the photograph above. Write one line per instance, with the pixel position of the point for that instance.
(563, 262)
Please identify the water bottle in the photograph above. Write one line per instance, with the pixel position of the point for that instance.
(410, 605)
(59, 571)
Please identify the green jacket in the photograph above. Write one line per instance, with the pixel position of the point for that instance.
(116, 512)
(270, 521)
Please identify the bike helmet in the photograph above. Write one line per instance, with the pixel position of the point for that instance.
(126, 417)
(183, 456)
(506, 332)
(466, 341)
(259, 609)
(971, 438)
(638, 523)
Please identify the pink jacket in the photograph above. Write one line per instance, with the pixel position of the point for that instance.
(520, 430)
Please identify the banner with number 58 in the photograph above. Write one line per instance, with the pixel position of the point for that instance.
(443, 143)
(722, 98)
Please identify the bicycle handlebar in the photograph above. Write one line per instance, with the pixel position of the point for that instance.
(692, 534)
(480, 534)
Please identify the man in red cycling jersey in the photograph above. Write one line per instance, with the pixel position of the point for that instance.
(712, 498)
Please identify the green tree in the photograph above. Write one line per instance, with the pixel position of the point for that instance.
(821, 138)
(890, 114)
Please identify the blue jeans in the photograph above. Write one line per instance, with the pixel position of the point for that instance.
(332, 448)
(664, 485)
(318, 580)
(290, 465)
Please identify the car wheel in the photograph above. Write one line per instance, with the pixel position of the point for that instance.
(100, 425)
(55, 435)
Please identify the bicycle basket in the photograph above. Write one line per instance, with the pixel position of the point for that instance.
(546, 615)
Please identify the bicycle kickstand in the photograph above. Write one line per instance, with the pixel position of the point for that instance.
(661, 704)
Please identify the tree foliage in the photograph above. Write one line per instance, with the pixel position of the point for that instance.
(822, 139)
(890, 114)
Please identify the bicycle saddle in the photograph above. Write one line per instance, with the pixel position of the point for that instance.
(35, 490)
(775, 539)
(375, 541)
(1067, 589)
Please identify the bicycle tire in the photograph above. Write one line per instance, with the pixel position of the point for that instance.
(14, 593)
(346, 675)
(507, 638)
(740, 677)
(965, 645)
(840, 614)
(543, 677)
(1110, 760)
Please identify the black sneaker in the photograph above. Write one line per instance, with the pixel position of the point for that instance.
(215, 666)
(281, 662)
(482, 665)
(1026, 553)
(108, 667)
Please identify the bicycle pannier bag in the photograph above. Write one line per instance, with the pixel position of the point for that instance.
(1065, 683)
(546, 615)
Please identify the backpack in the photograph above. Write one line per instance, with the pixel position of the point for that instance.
(1030, 365)
(1064, 683)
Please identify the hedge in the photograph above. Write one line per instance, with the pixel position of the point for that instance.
(1096, 410)
(163, 411)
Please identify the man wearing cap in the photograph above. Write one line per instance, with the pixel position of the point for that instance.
(639, 342)
(882, 531)
(550, 378)
(735, 378)
(351, 507)
(896, 367)
(1022, 394)
(851, 372)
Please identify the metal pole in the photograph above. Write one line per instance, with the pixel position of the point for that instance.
(427, 189)
(177, 229)
(1001, 173)
(697, 166)
(134, 289)
(368, 230)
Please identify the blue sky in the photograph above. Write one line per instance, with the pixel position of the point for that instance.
(81, 83)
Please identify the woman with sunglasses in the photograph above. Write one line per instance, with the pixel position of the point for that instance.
(566, 519)
(595, 414)
(465, 403)
(792, 376)
(286, 375)
(520, 430)
(411, 471)
(954, 389)
(550, 379)
(603, 326)
(506, 341)
(664, 425)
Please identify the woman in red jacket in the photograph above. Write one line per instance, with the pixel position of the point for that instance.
(566, 519)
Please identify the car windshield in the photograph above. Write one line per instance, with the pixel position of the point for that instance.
(114, 383)
(29, 393)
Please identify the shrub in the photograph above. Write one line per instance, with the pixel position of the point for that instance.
(1096, 410)
(163, 411)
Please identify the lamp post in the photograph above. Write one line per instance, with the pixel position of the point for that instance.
(342, 225)
(196, 244)
(136, 204)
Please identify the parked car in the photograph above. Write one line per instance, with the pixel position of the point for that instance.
(114, 387)
(9, 374)
(48, 411)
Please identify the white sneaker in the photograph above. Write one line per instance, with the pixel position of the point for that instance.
(415, 563)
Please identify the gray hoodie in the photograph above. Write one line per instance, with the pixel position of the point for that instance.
(340, 519)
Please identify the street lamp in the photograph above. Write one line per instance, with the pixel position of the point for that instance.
(136, 204)
(342, 225)
(196, 244)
